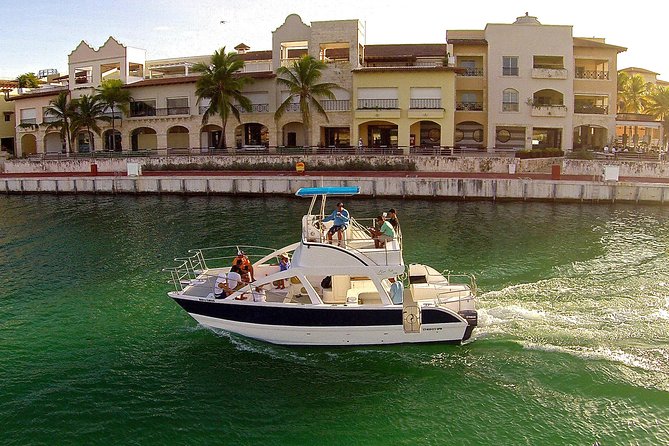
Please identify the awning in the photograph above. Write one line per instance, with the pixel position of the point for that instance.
(313, 191)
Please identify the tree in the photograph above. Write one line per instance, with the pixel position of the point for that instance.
(632, 97)
(114, 97)
(301, 79)
(28, 80)
(89, 110)
(657, 105)
(63, 110)
(222, 84)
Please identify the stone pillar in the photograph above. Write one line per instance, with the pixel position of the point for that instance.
(403, 135)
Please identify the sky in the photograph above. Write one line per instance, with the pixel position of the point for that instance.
(43, 35)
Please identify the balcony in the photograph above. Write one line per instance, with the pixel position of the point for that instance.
(472, 106)
(171, 111)
(558, 111)
(336, 104)
(549, 73)
(375, 104)
(142, 113)
(472, 72)
(591, 74)
(425, 104)
(591, 109)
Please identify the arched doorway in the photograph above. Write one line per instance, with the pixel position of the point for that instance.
(84, 142)
(378, 134)
(53, 143)
(112, 140)
(468, 134)
(177, 137)
(28, 145)
(210, 135)
(425, 134)
(590, 137)
(252, 134)
(143, 138)
(293, 135)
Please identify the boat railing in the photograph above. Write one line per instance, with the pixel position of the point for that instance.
(463, 279)
(457, 296)
(222, 256)
(195, 266)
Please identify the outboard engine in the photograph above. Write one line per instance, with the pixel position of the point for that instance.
(471, 316)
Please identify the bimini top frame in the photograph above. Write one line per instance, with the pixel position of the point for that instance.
(324, 192)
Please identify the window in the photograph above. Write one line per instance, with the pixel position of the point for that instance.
(8, 117)
(145, 107)
(510, 65)
(177, 106)
(510, 100)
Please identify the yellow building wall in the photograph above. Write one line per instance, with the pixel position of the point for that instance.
(405, 118)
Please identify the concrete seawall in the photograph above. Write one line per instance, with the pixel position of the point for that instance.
(518, 189)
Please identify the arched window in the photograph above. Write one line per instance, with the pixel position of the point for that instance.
(510, 100)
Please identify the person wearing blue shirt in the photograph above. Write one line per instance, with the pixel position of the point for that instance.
(396, 291)
(340, 219)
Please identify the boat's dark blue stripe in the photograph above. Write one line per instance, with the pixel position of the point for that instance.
(299, 316)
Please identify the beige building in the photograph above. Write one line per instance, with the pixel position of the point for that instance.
(8, 122)
(528, 85)
(509, 86)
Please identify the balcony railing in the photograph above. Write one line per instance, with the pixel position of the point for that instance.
(115, 115)
(592, 74)
(336, 104)
(425, 103)
(470, 106)
(48, 119)
(293, 107)
(378, 103)
(255, 108)
(83, 79)
(141, 113)
(556, 110)
(29, 121)
(472, 72)
(588, 109)
(170, 111)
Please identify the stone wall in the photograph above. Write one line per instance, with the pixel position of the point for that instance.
(518, 189)
(467, 164)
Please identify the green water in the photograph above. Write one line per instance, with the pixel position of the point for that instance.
(573, 345)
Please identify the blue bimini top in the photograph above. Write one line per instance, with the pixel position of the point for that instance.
(313, 191)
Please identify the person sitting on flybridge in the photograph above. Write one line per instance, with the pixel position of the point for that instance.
(340, 218)
(384, 234)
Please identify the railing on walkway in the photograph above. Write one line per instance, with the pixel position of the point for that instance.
(459, 151)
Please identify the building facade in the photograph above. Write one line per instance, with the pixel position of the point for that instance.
(528, 85)
(509, 86)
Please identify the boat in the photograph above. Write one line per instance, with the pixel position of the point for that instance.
(335, 292)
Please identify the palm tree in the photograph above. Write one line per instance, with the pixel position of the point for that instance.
(221, 83)
(27, 80)
(301, 79)
(632, 98)
(63, 110)
(89, 111)
(657, 105)
(114, 97)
